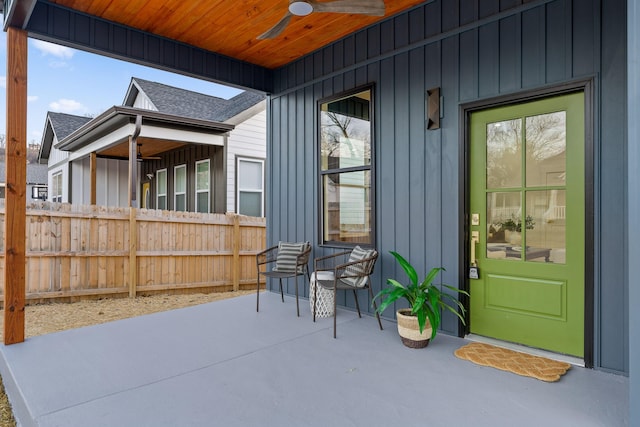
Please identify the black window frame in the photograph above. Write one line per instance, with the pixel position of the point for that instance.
(370, 167)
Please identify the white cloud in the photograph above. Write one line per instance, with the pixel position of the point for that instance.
(53, 49)
(36, 136)
(32, 98)
(3, 81)
(58, 64)
(67, 106)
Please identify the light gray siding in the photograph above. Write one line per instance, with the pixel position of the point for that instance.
(473, 50)
(248, 139)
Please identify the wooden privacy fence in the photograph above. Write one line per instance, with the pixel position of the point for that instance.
(80, 251)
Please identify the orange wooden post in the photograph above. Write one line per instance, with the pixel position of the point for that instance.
(16, 187)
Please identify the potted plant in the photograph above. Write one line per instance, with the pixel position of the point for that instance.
(419, 323)
(513, 228)
(515, 224)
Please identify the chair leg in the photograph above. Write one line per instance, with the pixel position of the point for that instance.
(375, 307)
(297, 303)
(335, 306)
(355, 296)
(281, 292)
(258, 295)
(315, 298)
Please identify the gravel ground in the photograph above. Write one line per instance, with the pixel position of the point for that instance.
(47, 318)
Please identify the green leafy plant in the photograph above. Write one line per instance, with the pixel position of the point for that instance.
(424, 298)
(515, 224)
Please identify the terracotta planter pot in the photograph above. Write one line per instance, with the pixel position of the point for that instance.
(410, 331)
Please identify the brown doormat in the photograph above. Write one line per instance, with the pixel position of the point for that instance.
(513, 361)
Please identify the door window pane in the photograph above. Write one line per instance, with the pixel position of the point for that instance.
(546, 149)
(504, 225)
(546, 239)
(504, 154)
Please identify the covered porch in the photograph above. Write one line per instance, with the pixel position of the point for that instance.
(224, 364)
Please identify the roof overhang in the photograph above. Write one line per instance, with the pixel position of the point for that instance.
(120, 117)
(216, 41)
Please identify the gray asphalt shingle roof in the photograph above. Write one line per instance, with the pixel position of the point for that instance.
(36, 173)
(64, 124)
(181, 102)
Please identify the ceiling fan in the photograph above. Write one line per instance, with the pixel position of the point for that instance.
(140, 157)
(304, 8)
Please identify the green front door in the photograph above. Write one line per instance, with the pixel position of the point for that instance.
(527, 211)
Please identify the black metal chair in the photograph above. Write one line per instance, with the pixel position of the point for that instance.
(291, 260)
(349, 270)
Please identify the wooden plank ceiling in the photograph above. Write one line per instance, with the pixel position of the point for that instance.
(231, 27)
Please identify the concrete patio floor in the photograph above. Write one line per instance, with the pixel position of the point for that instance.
(223, 364)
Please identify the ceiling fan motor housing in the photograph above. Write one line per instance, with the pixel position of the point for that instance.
(300, 8)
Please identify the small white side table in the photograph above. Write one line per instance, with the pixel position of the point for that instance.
(324, 307)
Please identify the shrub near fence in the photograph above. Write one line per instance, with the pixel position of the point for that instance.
(81, 251)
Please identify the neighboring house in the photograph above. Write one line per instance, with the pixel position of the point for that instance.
(195, 152)
(36, 181)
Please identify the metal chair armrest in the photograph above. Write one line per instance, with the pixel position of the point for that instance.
(266, 256)
(329, 262)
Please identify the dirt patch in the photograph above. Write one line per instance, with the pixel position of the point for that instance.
(47, 318)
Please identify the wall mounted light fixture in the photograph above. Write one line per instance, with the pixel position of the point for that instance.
(433, 110)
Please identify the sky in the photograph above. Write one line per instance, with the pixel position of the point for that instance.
(71, 81)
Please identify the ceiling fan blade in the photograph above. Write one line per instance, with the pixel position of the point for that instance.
(278, 28)
(363, 7)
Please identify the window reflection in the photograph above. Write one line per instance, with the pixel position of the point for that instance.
(504, 154)
(345, 168)
(348, 210)
(546, 241)
(504, 225)
(546, 148)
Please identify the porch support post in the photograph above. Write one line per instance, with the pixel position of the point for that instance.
(16, 187)
(93, 167)
(133, 227)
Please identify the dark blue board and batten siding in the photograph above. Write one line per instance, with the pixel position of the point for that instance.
(473, 50)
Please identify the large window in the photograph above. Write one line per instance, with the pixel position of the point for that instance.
(56, 184)
(161, 189)
(180, 188)
(346, 145)
(250, 184)
(202, 186)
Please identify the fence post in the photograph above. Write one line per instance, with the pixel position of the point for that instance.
(236, 252)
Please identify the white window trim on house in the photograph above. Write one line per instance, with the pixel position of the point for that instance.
(208, 186)
(160, 174)
(179, 191)
(56, 184)
(240, 189)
